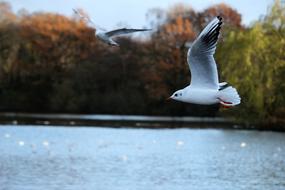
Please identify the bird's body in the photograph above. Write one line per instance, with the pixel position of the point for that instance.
(106, 39)
(107, 36)
(201, 96)
(205, 88)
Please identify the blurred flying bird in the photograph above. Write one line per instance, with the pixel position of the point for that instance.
(107, 36)
(205, 88)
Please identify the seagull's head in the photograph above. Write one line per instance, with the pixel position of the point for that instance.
(178, 95)
(113, 43)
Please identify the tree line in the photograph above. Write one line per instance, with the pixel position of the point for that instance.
(53, 63)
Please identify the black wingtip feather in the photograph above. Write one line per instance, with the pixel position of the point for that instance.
(212, 36)
(219, 17)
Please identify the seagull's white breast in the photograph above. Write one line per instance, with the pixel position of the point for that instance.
(202, 96)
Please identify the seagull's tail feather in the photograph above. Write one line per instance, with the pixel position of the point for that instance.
(229, 97)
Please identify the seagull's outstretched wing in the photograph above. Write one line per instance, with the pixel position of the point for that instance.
(124, 31)
(200, 57)
(88, 20)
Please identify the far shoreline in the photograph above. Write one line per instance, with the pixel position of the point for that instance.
(131, 121)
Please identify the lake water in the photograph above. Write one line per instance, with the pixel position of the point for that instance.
(57, 158)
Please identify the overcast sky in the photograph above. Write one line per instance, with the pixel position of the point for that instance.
(108, 13)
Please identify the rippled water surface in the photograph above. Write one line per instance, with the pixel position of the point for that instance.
(33, 158)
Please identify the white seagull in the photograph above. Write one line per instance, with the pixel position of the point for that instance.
(205, 88)
(107, 36)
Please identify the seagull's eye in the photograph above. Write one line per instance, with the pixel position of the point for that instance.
(175, 95)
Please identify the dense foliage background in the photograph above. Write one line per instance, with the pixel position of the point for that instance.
(53, 63)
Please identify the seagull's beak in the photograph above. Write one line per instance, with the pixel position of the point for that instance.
(169, 98)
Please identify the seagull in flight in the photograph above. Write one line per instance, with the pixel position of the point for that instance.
(205, 88)
(107, 36)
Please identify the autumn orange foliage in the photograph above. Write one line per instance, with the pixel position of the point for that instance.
(53, 63)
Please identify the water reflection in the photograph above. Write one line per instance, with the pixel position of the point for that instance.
(21, 143)
(243, 144)
(45, 143)
(97, 158)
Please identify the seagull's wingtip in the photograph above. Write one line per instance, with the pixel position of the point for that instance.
(219, 17)
(168, 99)
(146, 29)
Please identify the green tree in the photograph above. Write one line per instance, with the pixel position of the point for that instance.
(253, 60)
